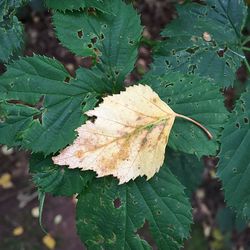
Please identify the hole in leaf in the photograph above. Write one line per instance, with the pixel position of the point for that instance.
(117, 203)
(92, 119)
(91, 11)
(90, 45)
(131, 42)
(2, 119)
(158, 212)
(192, 50)
(80, 33)
(173, 52)
(102, 36)
(145, 234)
(237, 125)
(192, 68)
(221, 52)
(40, 103)
(94, 40)
(170, 84)
(214, 43)
(39, 118)
(67, 79)
(246, 120)
(167, 63)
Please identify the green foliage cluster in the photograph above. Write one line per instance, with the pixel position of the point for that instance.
(41, 105)
(11, 30)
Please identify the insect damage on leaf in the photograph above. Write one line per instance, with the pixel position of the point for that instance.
(128, 137)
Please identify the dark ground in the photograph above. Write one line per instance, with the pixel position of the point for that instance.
(17, 202)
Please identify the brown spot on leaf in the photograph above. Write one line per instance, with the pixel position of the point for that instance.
(79, 154)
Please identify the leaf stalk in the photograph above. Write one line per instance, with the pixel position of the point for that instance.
(196, 123)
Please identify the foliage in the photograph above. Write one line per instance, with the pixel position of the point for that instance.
(11, 30)
(204, 40)
(234, 165)
(41, 105)
(160, 201)
(112, 38)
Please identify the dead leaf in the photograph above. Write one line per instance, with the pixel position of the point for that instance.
(5, 181)
(35, 212)
(49, 242)
(128, 137)
(18, 231)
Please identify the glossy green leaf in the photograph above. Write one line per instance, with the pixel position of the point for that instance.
(14, 118)
(234, 164)
(56, 179)
(113, 39)
(11, 38)
(205, 40)
(43, 83)
(8, 7)
(187, 169)
(109, 215)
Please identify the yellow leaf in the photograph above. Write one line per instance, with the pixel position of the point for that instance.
(49, 241)
(5, 181)
(18, 231)
(128, 137)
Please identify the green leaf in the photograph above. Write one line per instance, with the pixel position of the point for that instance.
(197, 98)
(14, 118)
(11, 38)
(109, 215)
(114, 37)
(58, 180)
(228, 221)
(234, 164)
(187, 168)
(102, 5)
(42, 83)
(8, 7)
(41, 199)
(187, 51)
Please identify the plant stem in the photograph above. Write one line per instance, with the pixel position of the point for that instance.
(246, 40)
(246, 48)
(196, 123)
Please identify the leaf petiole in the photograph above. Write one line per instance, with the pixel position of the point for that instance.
(196, 123)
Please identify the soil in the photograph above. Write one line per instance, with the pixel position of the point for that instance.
(18, 202)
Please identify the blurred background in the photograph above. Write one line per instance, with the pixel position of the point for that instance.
(215, 227)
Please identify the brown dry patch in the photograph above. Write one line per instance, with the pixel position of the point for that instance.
(121, 155)
(79, 154)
